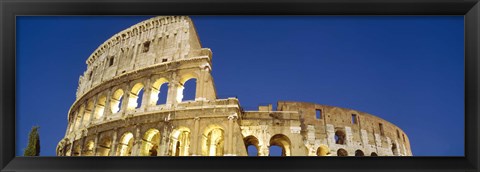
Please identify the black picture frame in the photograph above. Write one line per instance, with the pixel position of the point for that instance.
(9, 9)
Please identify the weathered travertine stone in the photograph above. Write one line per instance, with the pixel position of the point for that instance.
(107, 118)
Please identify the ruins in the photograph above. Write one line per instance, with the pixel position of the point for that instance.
(118, 112)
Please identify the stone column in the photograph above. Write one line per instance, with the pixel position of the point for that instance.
(229, 143)
(195, 135)
(135, 52)
(95, 143)
(107, 111)
(126, 97)
(72, 123)
(200, 87)
(93, 111)
(113, 148)
(137, 143)
(263, 150)
(147, 89)
(164, 143)
(80, 124)
(185, 147)
(173, 90)
(81, 143)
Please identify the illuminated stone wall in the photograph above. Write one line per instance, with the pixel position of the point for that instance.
(118, 113)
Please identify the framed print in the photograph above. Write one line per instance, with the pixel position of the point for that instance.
(189, 86)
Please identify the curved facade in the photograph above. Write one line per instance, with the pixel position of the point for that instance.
(130, 102)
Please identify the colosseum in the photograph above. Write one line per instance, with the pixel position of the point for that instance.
(117, 111)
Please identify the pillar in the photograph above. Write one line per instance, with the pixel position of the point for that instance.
(126, 97)
(95, 145)
(137, 142)
(229, 142)
(147, 89)
(164, 143)
(173, 90)
(107, 111)
(196, 135)
(113, 148)
(200, 87)
(80, 117)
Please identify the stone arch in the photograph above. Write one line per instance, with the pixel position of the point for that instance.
(359, 153)
(342, 152)
(88, 113)
(251, 141)
(88, 148)
(340, 137)
(213, 141)
(116, 100)
(134, 96)
(125, 144)
(181, 88)
(78, 120)
(150, 143)
(283, 142)
(180, 141)
(104, 146)
(323, 150)
(100, 107)
(373, 154)
(155, 93)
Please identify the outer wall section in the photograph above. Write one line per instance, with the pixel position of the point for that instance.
(328, 125)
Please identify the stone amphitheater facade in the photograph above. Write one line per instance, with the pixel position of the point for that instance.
(111, 118)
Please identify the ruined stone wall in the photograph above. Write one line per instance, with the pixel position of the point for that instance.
(154, 41)
(362, 131)
(117, 112)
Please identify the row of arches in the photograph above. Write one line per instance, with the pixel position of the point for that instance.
(280, 145)
(340, 138)
(178, 143)
(343, 152)
(112, 104)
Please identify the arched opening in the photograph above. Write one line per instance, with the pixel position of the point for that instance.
(251, 144)
(359, 153)
(323, 150)
(76, 150)
(100, 108)
(159, 92)
(116, 101)
(88, 149)
(88, 113)
(281, 141)
(180, 142)
(275, 151)
(125, 145)
(373, 154)
(342, 152)
(189, 89)
(135, 97)
(212, 141)
(394, 149)
(339, 137)
(104, 147)
(252, 150)
(78, 120)
(151, 143)
(186, 94)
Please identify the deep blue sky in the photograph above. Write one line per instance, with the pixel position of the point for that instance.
(405, 69)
